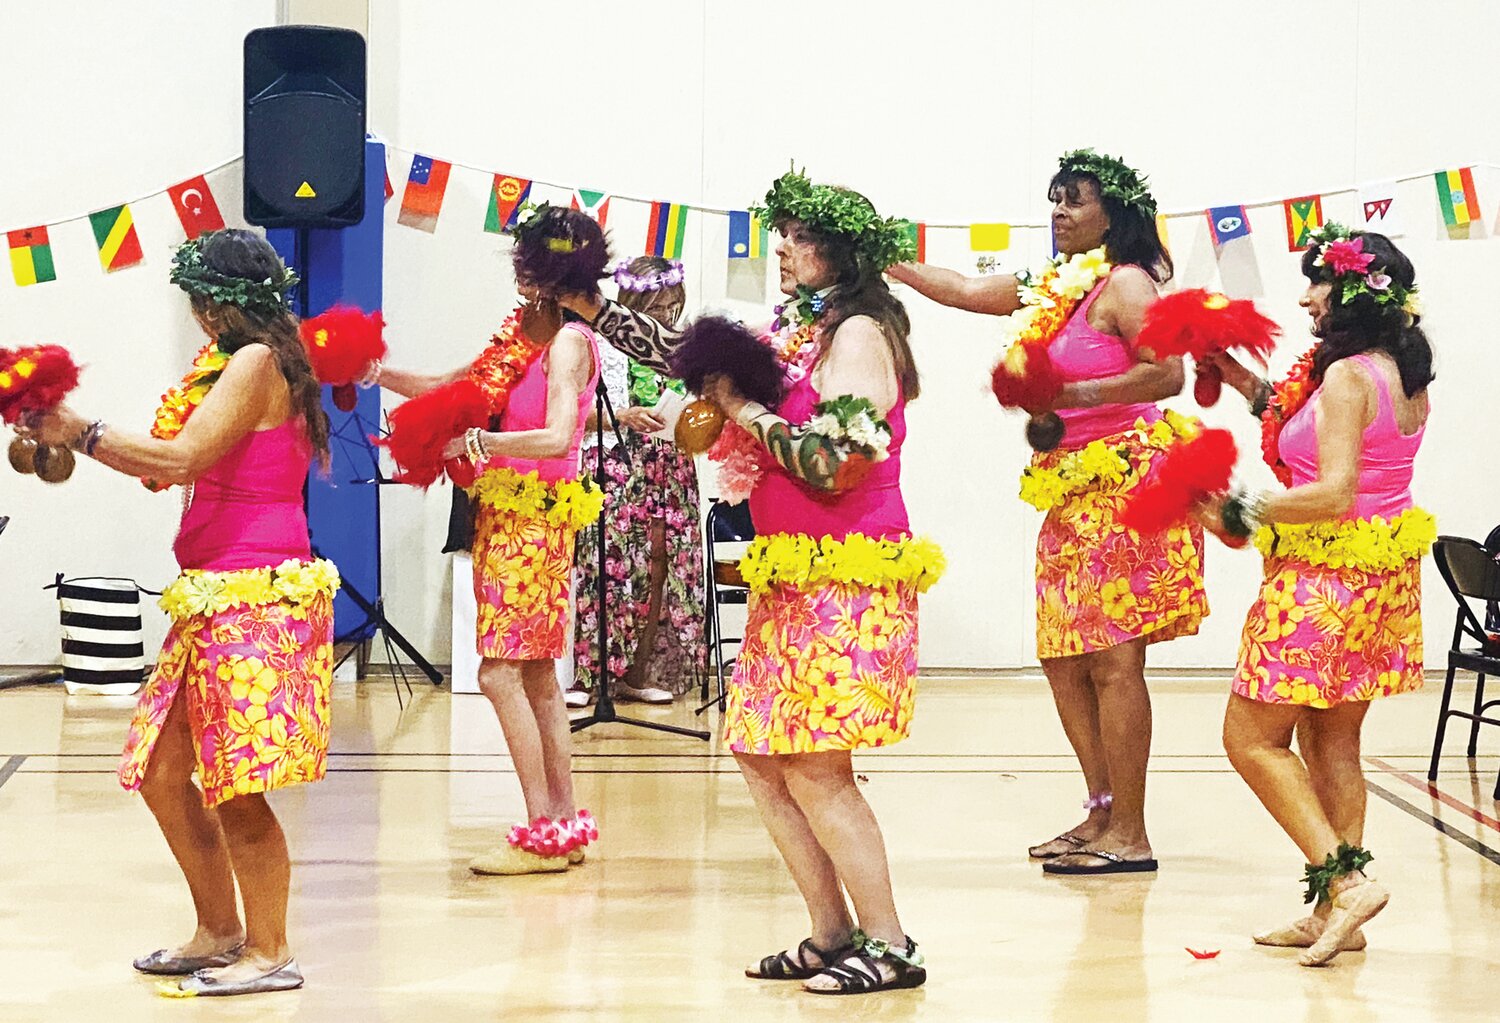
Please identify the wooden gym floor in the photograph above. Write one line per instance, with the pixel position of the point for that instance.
(685, 888)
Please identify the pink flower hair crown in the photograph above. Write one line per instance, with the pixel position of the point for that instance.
(654, 281)
(1347, 266)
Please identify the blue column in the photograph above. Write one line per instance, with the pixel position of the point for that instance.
(345, 266)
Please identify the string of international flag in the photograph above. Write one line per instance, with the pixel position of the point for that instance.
(422, 200)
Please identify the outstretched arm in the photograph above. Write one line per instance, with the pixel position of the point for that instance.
(997, 295)
(231, 410)
(645, 340)
(410, 384)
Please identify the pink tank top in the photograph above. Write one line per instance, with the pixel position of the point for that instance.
(1082, 353)
(782, 504)
(247, 510)
(1385, 461)
(526, 409)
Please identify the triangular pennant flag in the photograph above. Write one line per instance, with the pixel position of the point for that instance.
(31, 256)
(196, 207)
(989, 237)
(114, 233)
(1228, 223)
(506, 196)
(423, 199)
(595, 204)
(1378, 210)
(917, 232)
(665, 231)
(1456, 196)
(748, 237)
(1303, 217)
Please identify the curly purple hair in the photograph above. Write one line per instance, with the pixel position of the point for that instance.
(560, 250)
(715, 344)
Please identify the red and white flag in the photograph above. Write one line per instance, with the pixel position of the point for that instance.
(1378, 209)
(195, 207)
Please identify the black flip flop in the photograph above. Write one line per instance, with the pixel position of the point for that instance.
(1114, 863)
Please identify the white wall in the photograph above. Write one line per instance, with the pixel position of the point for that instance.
(953, 117)
(106, 102)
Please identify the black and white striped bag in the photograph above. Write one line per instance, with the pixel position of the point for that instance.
(102, 647)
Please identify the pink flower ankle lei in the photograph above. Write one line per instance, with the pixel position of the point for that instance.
(547, 837)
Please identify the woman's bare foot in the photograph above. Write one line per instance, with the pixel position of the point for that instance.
(1074, 839)
(249, 966)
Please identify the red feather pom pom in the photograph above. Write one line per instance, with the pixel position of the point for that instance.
(1200, 323)
(34, 379)
(423, 426)
(1187, 472)
(342, 342)
(1026, 378)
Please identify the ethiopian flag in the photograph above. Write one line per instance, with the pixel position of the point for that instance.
(114, 233)
(31, 256)
(1456, 196)
(665, 231)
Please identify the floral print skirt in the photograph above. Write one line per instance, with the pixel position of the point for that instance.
(1099, 585)
(831, 667)
(257, 682)
(523, 568)
(657, 490)
(1318, 636)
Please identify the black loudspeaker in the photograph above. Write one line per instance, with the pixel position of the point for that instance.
(304, 127)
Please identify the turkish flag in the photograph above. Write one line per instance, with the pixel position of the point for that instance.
(195, 207)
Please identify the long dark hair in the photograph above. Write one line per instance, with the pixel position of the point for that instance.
(1132, 238)
(860, 290)
(239, 253)
(1363, 325)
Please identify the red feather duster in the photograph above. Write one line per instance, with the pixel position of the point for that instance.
(1201, 323)
(342, 342)
(34, 379)
(423, 426)
(1026, 378)
(1189, 470)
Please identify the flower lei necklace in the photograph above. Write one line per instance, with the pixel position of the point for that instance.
(1287, 399)
(1048, 301)
(179, 403)
(742, 459)
(504, 361)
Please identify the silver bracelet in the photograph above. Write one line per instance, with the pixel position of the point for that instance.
(1254, 514)
(474, 445)
(372, 375)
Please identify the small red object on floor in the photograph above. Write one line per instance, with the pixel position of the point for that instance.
(1204, 955)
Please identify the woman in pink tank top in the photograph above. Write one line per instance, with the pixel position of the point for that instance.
(1337, 623)
(240, 694)
(530, 501)
(1103, 592)
(829, 661)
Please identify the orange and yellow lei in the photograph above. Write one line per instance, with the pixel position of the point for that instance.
(502, 364)
(179, 403)
(1286, 401)
(1048, 301)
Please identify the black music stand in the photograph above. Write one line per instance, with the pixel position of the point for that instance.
(603, 711)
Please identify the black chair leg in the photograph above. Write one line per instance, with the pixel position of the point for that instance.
(1478, 710)
(1442, 724)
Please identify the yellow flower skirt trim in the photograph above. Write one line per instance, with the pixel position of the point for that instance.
(570, 503)
(1054, 477)
(1371, 545)
(807, 562)
(197, 593)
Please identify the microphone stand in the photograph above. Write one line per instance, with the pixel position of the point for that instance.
(603, 711)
